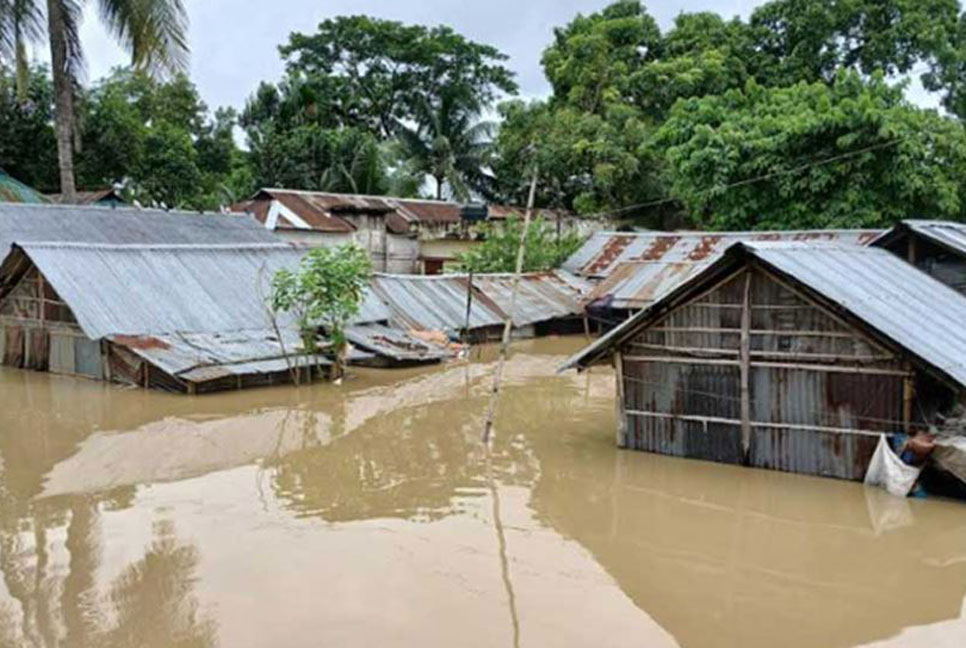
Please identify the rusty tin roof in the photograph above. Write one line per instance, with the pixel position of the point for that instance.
(636, 268)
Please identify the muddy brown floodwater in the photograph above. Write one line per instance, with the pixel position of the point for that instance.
(369, 514)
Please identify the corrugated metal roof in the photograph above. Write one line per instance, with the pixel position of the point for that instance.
(105, 196)
(162, 289)
(14, 191)
(92, 224)
(438, 303)
(199, 357)
(605, 251)
(395, 344)
(880, 290)
(947, 234)
(323, 211)
(151, 289)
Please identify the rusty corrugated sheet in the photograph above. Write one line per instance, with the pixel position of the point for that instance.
(322, 211)
(396, 345)
(605, 251)
(202, 357)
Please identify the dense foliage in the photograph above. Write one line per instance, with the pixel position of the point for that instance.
(407, 97)
(545, 249)
(850, 153)
(795, 117)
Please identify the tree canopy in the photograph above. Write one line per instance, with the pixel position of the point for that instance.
(850, 154)
(796, 116)
(408, 97)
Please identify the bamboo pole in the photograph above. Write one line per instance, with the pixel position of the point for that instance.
(508, 325)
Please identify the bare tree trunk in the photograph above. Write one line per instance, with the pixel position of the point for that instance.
(63, 97)
(439, 186)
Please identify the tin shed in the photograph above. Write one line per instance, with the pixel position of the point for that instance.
(790, 356)
(938, 248)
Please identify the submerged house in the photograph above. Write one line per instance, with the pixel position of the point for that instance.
(402, 235)
(547, 302)
(185, 318)
(938, 248)
(789, 356)
(632, 269)
(161, 299)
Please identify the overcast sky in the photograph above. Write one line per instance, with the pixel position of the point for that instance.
(234, 42)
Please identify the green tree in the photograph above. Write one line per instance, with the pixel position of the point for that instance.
(27, 142)
(848, 154)
(358, 84)
(591, 59)
(160, 142)
(154, 31)
(498, 252)
(804, 40)
(371, 73)
(325, 292)
(588, 162)
(449, 145)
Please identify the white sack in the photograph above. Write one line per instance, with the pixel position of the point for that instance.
(889, 471)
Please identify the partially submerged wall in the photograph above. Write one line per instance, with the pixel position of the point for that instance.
(752, 372)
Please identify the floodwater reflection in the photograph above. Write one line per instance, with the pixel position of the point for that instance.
(371, 514)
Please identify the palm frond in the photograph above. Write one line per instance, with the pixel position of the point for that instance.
(155, 32)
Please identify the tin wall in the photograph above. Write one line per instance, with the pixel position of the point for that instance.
(819, 391)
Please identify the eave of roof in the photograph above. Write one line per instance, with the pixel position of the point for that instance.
(872, 288)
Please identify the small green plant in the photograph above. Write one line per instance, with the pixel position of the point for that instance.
(325, 292)
(498, 252)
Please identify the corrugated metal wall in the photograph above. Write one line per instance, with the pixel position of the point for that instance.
(682, 384)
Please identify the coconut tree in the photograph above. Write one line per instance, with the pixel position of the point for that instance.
(154, 31)
(448, 143)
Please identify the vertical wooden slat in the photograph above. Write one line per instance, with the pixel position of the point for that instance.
(621, 405)
(745, 364)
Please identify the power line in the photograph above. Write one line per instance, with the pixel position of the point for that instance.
(748, 181)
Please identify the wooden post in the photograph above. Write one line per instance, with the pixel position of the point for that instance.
(469, 308)
(908, 397)
(508, 325)
(744, 360)
(621, 405)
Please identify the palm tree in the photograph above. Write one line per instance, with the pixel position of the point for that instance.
(448, 143)
(154, 31)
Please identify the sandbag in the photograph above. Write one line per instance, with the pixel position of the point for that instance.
(888, 471)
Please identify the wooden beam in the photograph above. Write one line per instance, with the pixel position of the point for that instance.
(769, 365)
(744, 359)
(754, 424)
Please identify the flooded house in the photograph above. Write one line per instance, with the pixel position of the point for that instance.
(793, 356)
(188, 318)
(632, 269)
(160, 299)
(476, 308)
(938, 248)
(402, 235)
